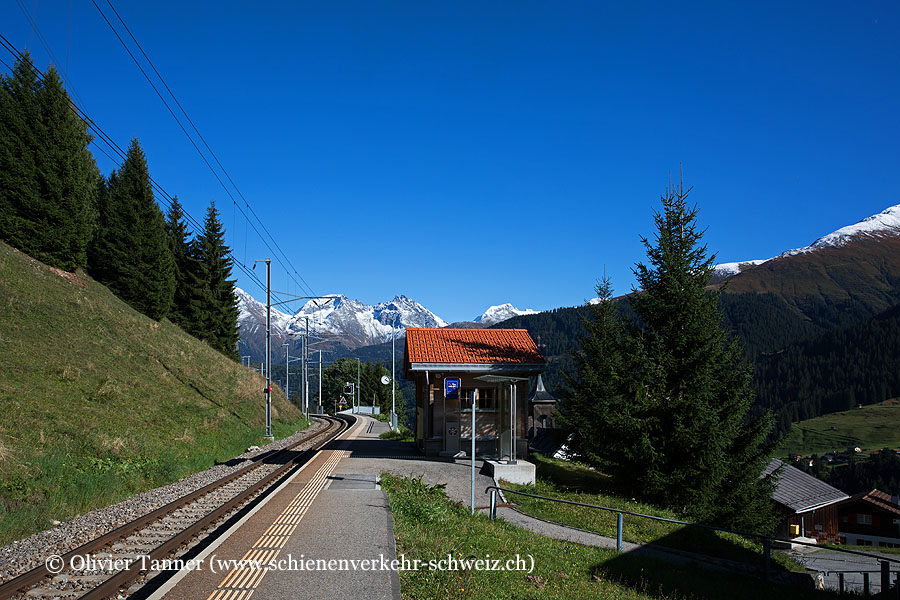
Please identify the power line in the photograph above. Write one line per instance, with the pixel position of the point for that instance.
(46, 45)
(291, 270)
(116, 149)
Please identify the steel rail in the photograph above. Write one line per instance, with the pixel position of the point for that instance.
(33, 577)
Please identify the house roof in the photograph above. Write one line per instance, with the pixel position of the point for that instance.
(799, 491)
(541, 395)
(504, 347)
(878, 498)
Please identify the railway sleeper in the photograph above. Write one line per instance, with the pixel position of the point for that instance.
(45, 592)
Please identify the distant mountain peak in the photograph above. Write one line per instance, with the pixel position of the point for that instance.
(500, 313)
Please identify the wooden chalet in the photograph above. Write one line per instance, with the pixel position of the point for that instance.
(870, 519)
(808, 504)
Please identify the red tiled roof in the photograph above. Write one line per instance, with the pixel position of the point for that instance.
(878, 498)
(471, 346)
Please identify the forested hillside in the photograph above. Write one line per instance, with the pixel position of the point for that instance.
(802, 368)
(833, 371)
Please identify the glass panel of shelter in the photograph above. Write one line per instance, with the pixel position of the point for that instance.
(487, 418)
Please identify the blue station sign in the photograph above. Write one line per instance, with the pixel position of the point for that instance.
(451, 389)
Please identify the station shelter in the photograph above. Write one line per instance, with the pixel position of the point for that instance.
(453, 367)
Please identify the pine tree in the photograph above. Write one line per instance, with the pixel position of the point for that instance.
(48, 177)
(696, 450)
(219, 318)
(131, 251)
(592, 406)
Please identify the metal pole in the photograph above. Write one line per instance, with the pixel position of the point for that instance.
(357, 385)
(306, 371)
(268, 347)
(513, 434)
(619, 527)
(473, 452)
(393, 367)
(320, 383)
(493, 504)
(287, 371)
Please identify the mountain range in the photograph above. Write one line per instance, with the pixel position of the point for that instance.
(338, 321)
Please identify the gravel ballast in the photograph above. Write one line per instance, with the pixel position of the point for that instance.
(26, 554)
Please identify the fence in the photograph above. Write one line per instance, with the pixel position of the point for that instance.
(767, 540)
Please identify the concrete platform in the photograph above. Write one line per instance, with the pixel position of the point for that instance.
(351, 523)
(326, 533)
(522, 472)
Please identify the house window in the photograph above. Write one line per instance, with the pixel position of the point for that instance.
(863, 519)
(487, 399)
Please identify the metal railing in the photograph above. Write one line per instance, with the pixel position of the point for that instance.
(767, 540)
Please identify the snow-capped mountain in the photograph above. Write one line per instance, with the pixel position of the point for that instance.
(885, 223)
(728, 270)
(351, 322)
(252, 316)
(502, 312)
(363, 324)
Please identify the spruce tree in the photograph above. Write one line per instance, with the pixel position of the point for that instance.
(697, 449)
(219, 319)
(131, 252)
(48, 177)
(189, 280)
(592, 406)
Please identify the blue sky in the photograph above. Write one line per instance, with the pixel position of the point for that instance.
(467, 153)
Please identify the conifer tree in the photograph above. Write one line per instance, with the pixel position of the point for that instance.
(697, 450)
(592, 407)
(218, 321)
(131, 252)
(48, 177)
(190, 286)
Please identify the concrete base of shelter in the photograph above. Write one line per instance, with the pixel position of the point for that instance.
(522, 472)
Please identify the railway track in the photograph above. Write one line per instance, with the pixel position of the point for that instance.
(121, 557)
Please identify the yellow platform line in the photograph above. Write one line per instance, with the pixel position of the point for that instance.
(240, 582)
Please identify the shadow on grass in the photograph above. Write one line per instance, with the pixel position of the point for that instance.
(717, 578)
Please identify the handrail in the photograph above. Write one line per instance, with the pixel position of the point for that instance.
(765, 538)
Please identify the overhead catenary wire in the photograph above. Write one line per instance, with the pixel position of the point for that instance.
(286, 263)
(35, 29)
(162, 194)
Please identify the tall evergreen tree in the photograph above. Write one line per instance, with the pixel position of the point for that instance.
(592, 406)
(661, 399)
(190, 287)
(48, 177)
(219, 319)
(131, 252)
(698, 449)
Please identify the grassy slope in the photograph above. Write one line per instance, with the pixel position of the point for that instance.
(98, 402)
(428, 526)
(871, 427)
